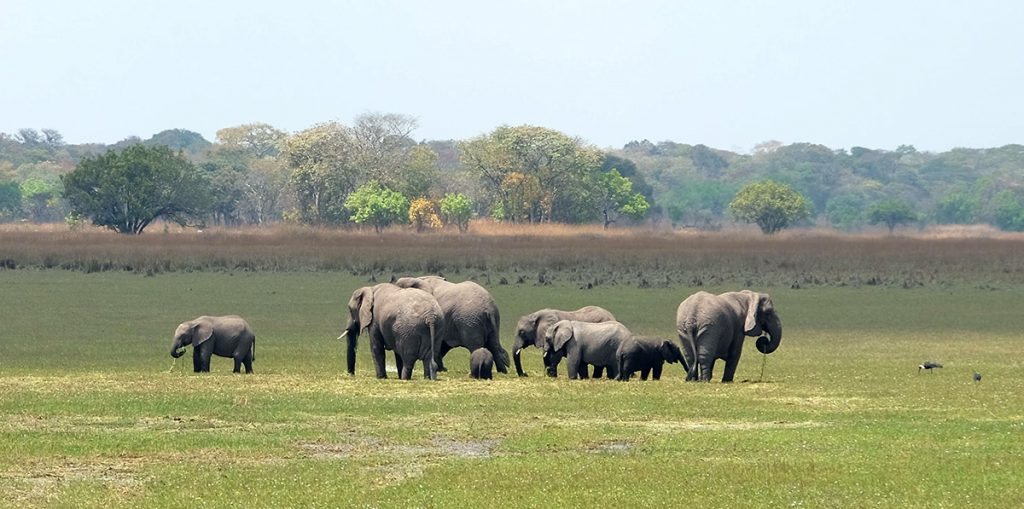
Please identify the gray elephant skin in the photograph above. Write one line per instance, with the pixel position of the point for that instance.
(647, 355)
(471, 318)
(405, 320)
(481, 363)
(713, 327)
(532, 327)
(583, 343)
(224, 336)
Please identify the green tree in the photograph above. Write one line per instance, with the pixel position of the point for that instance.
(323, 171)
(956, 208)
(1008, 210)
(126, 191)
(891, 212)
(189, 142)
(700, 203)
(10, 200)
(419, 172)
(616, 196)
(457, 209)
(845, 211)
(772, 206)
(39, 197)
(551, 171)
(377, 205)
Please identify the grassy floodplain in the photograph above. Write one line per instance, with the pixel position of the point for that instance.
(93, 412)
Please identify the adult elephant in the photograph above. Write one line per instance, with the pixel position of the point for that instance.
(531, 328)
(713, 327)
(406, 320)
(583, 343)
(224, 336)
(471, 318)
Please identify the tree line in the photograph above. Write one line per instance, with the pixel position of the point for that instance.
(373, 172)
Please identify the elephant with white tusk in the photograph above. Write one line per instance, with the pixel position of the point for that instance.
(713, 327)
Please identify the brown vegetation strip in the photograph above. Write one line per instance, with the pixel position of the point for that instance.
(525, 255)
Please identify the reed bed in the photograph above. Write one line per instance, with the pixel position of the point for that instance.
(500, 254)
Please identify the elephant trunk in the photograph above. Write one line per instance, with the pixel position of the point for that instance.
(350, 335)
(517, 348)
(177, 349)
(773, 329)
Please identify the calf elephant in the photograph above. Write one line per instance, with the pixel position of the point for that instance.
(481, 363)
(583, 343)
(225, 336)
(713, 327)
(646, 355)
(471, 317)
(406, 320)
(531, 328)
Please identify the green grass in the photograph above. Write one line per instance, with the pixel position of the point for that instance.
(93, 413)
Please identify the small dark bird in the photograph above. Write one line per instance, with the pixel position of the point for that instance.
(929, 365)
(977, 377)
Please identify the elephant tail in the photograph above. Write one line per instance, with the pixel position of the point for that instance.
(688, 335)
(432, 325)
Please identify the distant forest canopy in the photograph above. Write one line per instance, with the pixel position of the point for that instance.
(256, 173)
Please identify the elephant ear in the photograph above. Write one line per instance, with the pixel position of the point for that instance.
(201, 332)
(360, 306)
(540, 326)
(563, 334)
(670, 352)
(755, 304)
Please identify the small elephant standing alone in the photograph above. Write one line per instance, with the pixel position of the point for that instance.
(531, 328)
(646, 355)
(583, 343)
(225, 336)
(713, 327)
(481, 363)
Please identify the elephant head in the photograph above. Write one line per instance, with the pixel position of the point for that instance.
(556, 341)
(532, 329)
(671, 352)
(761, 318)
(195, 333)
(360, 311)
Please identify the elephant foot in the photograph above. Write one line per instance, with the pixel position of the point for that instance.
(522, 375)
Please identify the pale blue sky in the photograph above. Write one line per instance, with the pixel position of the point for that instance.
(935, 74)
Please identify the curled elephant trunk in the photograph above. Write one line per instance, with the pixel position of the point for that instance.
(770, 343)
(175, 352)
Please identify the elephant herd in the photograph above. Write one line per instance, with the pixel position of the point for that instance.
(422, 318)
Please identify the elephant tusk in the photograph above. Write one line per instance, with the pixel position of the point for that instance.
(342, 336)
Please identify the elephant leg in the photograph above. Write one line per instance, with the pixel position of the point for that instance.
(205, 352)
(406, 373)
(197, 360)
(730, 368)
(656, 371)
(399, 363)
(644, 373)
(613, 372)
(238, 365)
(598, 371)
(377, 349)
(706, 365)
(248, 363)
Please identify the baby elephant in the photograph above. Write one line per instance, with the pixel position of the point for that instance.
(646, 354)
(481, 362)
(226, 336)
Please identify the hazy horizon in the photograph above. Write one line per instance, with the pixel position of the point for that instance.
(729, 76)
